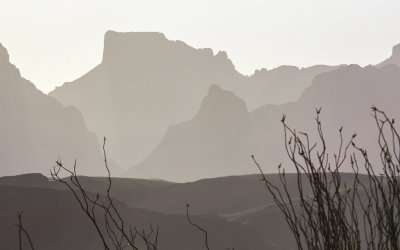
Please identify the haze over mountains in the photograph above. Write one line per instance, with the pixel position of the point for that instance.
(185, 121)
(216, 142)
(174, 112)
(36, 130)
(219, 141)
(145, 83)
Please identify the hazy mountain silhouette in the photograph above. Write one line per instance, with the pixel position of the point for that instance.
(219, 141)
(36, 129)
(393, 59)
(216, 142)
(146, 83)
(280, 85)
(346, 96)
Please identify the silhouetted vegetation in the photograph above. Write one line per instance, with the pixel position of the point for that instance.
(104, 215)
(23, 232)
(363, 213)
(197, 227)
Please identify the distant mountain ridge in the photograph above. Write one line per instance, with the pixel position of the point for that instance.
(192, 150)
(217, 141)
(146, 82)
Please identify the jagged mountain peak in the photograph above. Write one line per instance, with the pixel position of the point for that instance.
(222, 103)
(154, 82)
(155, 50)
(216, 142)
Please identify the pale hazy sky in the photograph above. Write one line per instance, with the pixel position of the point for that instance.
(54, 41)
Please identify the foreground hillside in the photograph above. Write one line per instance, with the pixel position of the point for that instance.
(236, 211)
(54, 220)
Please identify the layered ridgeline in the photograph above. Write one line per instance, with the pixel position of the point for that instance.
(216, 142)
(146, 82)
(220, 139)
(36, 130)
(346, 96)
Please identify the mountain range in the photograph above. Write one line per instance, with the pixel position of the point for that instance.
(174, 112)
(181, 125)
(146, 82)
(220, 139)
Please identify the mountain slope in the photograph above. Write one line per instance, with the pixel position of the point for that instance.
(36, 129)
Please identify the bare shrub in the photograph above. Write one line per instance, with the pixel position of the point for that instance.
(361, 213)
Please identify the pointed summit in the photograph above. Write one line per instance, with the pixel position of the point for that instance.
(214, 89)
(221, 104)
(216, 142)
